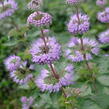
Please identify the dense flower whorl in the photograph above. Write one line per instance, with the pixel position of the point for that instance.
(20, 78)
(7, 8)
(27, 102)
(45, 55)
(104, 16)
(78, 24)
(75, 52)
(46, 82)
(22, 75)
(101, 2)
(40, 19)
(73, 2)
(12, 62)
(35, 4)
(104, 37)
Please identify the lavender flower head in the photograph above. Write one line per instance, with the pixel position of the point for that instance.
(35, 4)
(40, 19)
(101, 2)
(42, 54)
(7, 8)
(104, 16)
(104, 37)
(46, 82)
(78, 24)
(20, 78)
(75, 52)
(12, 62)
(73, 2)
(22, 75)
(27, 102)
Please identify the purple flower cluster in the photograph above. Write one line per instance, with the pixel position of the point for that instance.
(104, 16)
(12, 62)
(46, 82)
(7, 8)
(78, 24)
(27, 102)
(75, 53)
(20, 77)
(73, 2)
(104, 37)
(42, 54)
(101, 2)
(40, 19)
(17, 69)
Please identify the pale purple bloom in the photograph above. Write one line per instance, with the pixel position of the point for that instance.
(106, 55)
(27, 102)
(73, 2)
(104, 16)
(101, 2)
(24, 99)
(7, 8)
(75, 53)
(40, 19)
(35, 4)
(78, 24)
(46, 31)
(12, 62)
(69, 68)
(104, 37)
(45, 55)
(65, 79)
(20, 78)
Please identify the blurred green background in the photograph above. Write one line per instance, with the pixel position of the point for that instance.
(18, 42)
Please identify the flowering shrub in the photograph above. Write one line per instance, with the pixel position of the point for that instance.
(54, 54)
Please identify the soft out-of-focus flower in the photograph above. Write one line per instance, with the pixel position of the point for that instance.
(40, 19)
(42, 54)
(12, 62)
(27, 102)
(104, 16)
(78, 24)
(7, 8)
(101, 2)
(104, 37)
(46, 82)
(73, 2)
(35, 4)
(75, 53)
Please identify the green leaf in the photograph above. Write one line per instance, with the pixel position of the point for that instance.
(103, 65)
(18, 32)
(85, 90)
(90, 105)
(104, 80)
(102, 100)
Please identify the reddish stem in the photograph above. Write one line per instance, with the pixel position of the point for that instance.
(54, 73)
(84, 54)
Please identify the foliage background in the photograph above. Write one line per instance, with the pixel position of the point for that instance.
(12, 42)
